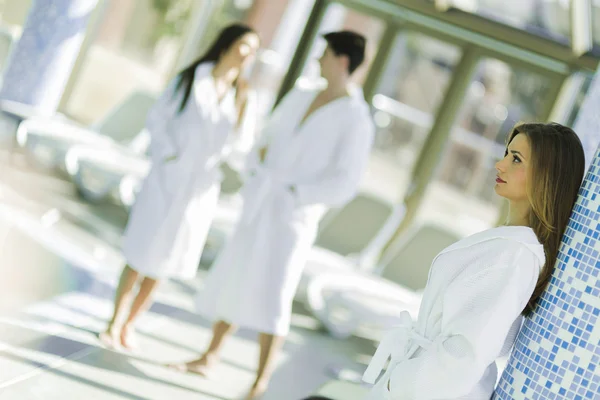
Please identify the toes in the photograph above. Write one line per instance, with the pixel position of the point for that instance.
(107, 339)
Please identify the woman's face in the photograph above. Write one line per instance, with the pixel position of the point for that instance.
(242, 52)
(514, 170)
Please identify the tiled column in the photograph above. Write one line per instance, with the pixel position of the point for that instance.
(557, 353)
(44, 56)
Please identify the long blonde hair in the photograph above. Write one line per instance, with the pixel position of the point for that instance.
(557, 170)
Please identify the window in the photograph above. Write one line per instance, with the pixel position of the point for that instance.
(410, 92)
(462, 192)
(542, 17)
(138, 42)
(280, 25)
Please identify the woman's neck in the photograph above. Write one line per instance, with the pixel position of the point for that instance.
(225, 74)
(518, 214)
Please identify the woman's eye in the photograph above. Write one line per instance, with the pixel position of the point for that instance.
(516, 159)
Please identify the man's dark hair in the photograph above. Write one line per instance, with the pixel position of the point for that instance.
(350, 44)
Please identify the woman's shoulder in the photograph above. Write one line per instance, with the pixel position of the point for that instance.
(503, 242)
(204, 69)
(203, 75)
(493, 253)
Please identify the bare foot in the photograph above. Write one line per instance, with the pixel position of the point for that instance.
(201, 366)
(127, 338)
(257, 391)
(110, 337)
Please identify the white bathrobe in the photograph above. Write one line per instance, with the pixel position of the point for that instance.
(253, 281)
(469, 317)
(173, 211)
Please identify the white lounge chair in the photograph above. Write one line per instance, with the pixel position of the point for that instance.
(12, 117)
(13, 113)
(367, 239)
(118, 171)
(352, 227)
(351, 240)
(48, 140)
(346, 301)
(100, 173)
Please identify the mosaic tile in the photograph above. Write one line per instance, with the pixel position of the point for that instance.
(557, 351)
(42, 60)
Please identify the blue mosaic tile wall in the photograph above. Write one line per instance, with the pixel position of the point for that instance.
(557, 353)
(42, 60)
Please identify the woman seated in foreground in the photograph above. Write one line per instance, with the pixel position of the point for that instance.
(480, 287)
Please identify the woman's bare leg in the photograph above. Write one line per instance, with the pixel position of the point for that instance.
(123, 296)
(270, 347)
(203, 364)
(142, 302)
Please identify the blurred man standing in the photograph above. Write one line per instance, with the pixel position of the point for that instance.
(312, 156)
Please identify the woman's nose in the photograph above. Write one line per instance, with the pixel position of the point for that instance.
(499, 166)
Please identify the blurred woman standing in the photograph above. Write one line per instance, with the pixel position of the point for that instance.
(203, 117)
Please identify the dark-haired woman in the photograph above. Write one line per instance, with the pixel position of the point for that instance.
(480, 287)
(203, 116)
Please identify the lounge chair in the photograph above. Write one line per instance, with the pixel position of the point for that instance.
(347, 300)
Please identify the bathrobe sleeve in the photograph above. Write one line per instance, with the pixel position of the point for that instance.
(242, 141)
(160, 122)
(340, 182)
(265, 136)
(479, 308)
(279, 117)
(161, 144)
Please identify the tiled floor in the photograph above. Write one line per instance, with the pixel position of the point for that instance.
(59, 263)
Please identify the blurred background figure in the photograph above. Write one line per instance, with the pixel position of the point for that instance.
(312, 155)
(194, 124)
